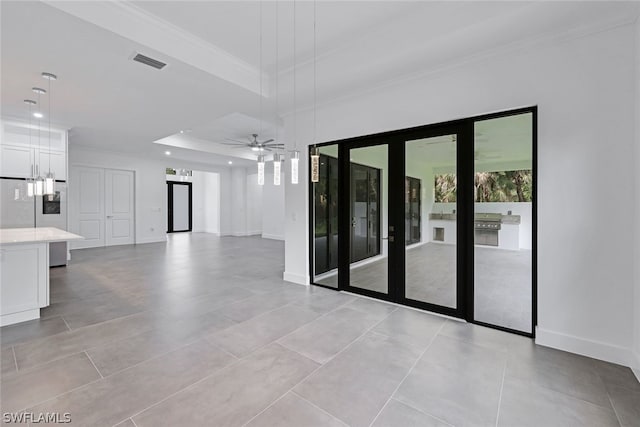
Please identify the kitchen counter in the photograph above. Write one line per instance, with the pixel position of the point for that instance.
(24, 271)
(12, 236)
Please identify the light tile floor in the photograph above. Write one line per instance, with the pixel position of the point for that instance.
(203, 331)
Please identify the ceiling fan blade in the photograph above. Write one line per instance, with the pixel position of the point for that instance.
(275, 145)
(267, 141)
(267, 149)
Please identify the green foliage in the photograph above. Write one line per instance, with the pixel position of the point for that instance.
(504, 186)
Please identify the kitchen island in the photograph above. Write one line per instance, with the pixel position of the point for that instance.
(24, 271)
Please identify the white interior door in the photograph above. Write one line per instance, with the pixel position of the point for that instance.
(88, 220)
(119, 207)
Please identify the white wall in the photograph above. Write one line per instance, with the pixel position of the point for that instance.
(206, 202)
(212, 202)
(273, 207)
(254, 205)
(585, 133)
(150, 187)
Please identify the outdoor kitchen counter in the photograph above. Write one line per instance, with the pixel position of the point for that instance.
(24, 267)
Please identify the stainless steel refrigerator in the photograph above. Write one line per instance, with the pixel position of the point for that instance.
(17, 210)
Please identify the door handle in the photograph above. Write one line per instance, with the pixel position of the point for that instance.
(109, 216)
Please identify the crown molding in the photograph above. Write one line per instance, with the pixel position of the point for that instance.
(144, 28)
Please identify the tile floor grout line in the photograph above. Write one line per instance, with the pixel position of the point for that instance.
(94, 365)
(504, 374)
(60, 394)
(65, 323)
(317, 407)
(320, 365)
(613, 407)
(15, 359)
(409, 372)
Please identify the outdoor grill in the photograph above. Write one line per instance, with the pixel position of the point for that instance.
(487, 226)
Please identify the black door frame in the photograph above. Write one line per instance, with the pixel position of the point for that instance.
(464, 128)
(170, 185)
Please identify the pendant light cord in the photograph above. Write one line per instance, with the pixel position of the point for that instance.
(39, 126)
(49, 93)
(277, 73)
(260, 73)
(315, 134)
(295, 98)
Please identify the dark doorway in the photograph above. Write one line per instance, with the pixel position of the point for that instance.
(179, 209)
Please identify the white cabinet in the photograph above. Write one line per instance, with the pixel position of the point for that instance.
(22, 157)
(58, 163)
(25, 282)
(24, 162)
(17, 161)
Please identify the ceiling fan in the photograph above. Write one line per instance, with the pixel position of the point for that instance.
(254, 144)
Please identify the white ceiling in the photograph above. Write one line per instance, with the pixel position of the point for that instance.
(212, 82)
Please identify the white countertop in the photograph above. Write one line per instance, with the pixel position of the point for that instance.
(12, 236)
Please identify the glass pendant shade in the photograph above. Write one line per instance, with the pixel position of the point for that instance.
(277, 165)
(315, 165)
(39, 186)
(260, 170)
(30, 187)
(49, 184)
(295, 157)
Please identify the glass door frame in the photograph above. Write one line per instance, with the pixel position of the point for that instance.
(396, 142)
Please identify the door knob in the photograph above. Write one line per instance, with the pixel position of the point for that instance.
(109, 216)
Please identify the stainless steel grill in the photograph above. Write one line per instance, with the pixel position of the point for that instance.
(487, 226)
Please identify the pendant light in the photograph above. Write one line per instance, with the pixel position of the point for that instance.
(295, 154)
(49, 179)
(260, 169)
(277, 164)
(315, 164)
(39, 181)
(30, 180)
(315, 152)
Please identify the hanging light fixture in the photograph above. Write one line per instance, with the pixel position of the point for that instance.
(260, 156)
(30, 180)
(261, 170)
(39, 181)
(295, 154)
(277, 164)
(315, 164)
(49, 179)
(315, 152)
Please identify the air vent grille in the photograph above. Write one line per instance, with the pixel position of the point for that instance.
(158, 65)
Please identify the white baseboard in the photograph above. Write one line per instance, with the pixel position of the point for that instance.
(273, 236)
(295, 278)
(151, 240)
(595, 349)
(242, 233)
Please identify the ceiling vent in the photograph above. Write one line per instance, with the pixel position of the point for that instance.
(158, 65)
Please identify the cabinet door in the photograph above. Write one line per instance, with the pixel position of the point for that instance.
(17, 161)
(58, 164)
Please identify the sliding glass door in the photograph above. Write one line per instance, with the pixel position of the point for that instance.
(440, 217)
